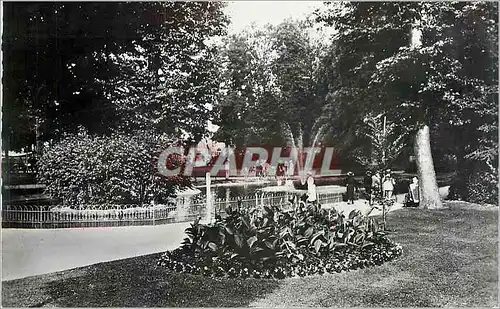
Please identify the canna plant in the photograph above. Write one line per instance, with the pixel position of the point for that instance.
(267, 242)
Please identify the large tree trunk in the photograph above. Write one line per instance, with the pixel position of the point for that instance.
(429, 193)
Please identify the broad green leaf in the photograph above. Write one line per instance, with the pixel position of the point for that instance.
(251, 241)
(212, 246)
(309, 232)
(317, 245)
(238, 240)
(318, 234)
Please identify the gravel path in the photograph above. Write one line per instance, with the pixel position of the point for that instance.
(29, 252)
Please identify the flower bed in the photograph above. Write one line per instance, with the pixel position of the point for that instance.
(270, 243)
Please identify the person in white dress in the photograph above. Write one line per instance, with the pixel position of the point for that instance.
(311, 188)
(388, 183)
(290, 168)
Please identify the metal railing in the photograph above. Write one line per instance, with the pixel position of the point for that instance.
(329, 198)
(96, 216)
(43, 216)
(258, 199)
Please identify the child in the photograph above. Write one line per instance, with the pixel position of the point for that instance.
(388, 185)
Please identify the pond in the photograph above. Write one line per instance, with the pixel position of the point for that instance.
(236, 190)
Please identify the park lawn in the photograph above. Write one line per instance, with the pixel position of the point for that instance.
(449, 259)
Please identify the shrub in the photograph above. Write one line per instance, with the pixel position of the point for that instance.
(118, 169)
(483, 187)
(273, 243)
(479, 185)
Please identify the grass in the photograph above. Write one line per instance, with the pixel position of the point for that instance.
(134, 282)
(449, 259)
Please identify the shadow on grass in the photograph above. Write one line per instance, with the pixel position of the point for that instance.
(134, 282)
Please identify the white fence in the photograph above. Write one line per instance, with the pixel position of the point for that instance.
(37, 216)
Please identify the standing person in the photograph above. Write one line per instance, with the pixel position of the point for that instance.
(266, 169)
(311, 188)
(388, 183)
(368, 183)
(258, 169)
(350, 184)
(376, 185)
(280, 172)
(290, 168)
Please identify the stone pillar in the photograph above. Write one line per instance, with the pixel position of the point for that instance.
(208, 216)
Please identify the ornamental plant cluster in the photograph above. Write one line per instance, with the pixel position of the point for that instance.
(269, 242)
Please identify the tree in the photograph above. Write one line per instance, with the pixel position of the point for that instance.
(379, 68)
(274, 87)
(299, 74)
(99, 64)
(473, 121)
(385, 143)
(127, 74)
(170, 80)
(369, 36)
(41, 41)
(463, 93)
(246, 83)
